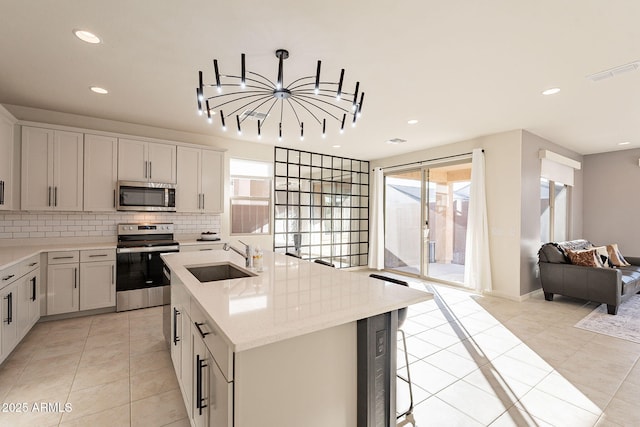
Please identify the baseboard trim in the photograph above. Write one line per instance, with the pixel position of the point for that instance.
(519, 298)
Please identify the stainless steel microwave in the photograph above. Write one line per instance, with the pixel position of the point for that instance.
(146, 196)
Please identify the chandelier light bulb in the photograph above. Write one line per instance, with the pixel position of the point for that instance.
(210, 120)
(200, 112)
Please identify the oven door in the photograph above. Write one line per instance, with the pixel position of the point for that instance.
(140, 268)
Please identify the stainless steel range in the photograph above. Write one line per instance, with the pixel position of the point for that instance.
(141, 281)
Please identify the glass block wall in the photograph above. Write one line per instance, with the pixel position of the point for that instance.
(321, 207)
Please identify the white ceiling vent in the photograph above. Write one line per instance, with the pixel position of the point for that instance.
(252, 115)
(396, 141)
(607, 74)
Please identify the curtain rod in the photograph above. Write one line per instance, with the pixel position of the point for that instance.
(429, 160)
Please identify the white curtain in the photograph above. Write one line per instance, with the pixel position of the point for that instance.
(477, 268)
(376, 226)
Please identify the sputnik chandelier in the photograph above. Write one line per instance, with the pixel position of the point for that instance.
(253, 96)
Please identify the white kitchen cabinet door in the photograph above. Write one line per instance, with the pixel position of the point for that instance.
(67, 169)
(51, 170)
(132, 160)
(188, 196)
(186, 361)
(97, 284)
(9, 326)
(219, 397)
(100, 173)
(212, 181)
(6, 163)
(28, 302)
(176, 339)
(37, 168)
(63, 291)
(162, 163)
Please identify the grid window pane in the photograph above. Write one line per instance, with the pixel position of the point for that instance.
(324, 207)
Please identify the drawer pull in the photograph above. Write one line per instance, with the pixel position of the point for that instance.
(32, 264)
(94, 256)
(63, 257)
(8, 277)
(203, 334)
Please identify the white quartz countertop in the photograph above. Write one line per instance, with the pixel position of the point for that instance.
(10, 255)
(289, 298)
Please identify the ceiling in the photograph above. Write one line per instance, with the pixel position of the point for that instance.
(463, 69)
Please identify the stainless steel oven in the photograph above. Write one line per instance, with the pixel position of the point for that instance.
(146, 196)
(141, 281)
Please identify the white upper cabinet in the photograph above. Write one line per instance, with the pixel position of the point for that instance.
(100, 173)
(52, 169)
(200, 178)
(146, 161)
(7, 181)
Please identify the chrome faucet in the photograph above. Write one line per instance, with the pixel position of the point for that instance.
(246, 254)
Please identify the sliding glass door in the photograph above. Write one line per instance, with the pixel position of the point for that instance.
(426, 221)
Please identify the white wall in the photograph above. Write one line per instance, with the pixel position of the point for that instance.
(234, 148)
(611, 202)
(502, 159)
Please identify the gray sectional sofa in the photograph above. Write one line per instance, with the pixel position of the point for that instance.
(609, 286)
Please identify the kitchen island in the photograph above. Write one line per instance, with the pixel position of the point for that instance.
(280, 347)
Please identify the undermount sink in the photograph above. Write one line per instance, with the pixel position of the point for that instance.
(223, 271)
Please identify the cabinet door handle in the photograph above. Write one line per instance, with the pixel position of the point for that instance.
(75, 278)
(9, 299)
(144, 168)
(203, 334)
(8, 277)
(203, 201)
(200, 363)
(114, 198)
(49, 197)
(55, 196)
(150, 169)
(33, 289)
(113, 274)
(1, 192)
(176, 313)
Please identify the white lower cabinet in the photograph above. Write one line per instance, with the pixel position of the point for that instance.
(207, 394)
(63, 292)
(81, 280)
(9, 300)
(19, 302)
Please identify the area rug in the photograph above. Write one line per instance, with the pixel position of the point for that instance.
(625, 324)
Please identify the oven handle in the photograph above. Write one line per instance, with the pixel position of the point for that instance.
(148, 249)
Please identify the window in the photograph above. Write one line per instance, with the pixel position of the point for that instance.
(321, 207)
(554, 211)
(250, 197)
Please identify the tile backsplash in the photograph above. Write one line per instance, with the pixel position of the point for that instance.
(36, 225)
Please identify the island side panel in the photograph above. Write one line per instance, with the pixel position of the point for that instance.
(309, 380)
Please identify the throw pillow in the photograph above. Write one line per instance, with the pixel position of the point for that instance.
(604, 256)
(615, 256)
(585, 258)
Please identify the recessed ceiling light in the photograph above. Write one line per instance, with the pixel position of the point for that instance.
(396, 141)
(624, 143)
(99, 90)
(335, 146)
(86, 36)
(412, 121)
(551, 91)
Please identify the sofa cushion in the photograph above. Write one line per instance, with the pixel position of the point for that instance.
(575, 245)
(585, 258)
(551, 252)
(616, 257)
(604, 255)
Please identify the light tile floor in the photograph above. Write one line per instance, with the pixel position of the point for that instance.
(474, 361)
